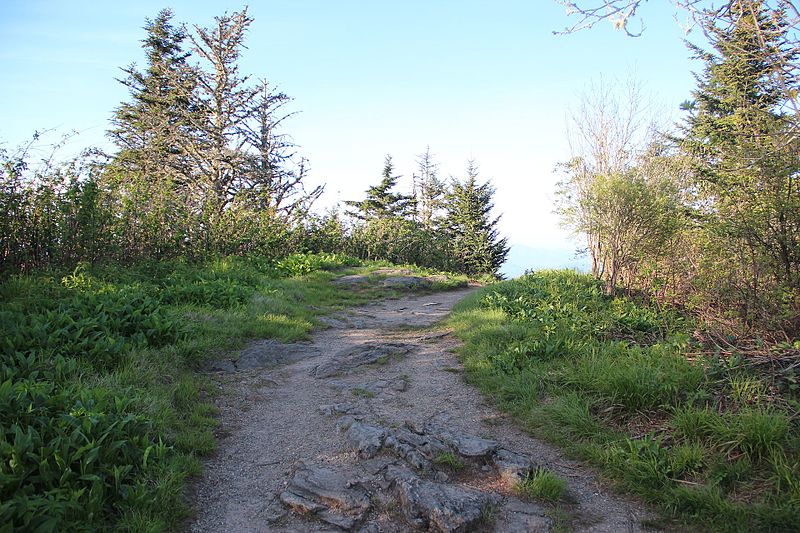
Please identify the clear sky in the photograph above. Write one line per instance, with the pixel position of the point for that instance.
(472, 79)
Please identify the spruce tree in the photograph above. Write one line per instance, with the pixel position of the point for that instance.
(152, 171)
(380, 202)
(428, 190)
(473, 234)
(744, 141)
(152, 131)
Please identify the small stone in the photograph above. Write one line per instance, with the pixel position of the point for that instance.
(344, 423)
(398, 383)
(438, 506)
(513, 467)
(368, 440)
(339, 409)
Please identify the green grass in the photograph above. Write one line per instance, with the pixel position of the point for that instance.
(449, 460)
(542, 485)
(607, 379)
(363, 393)
(104, 408)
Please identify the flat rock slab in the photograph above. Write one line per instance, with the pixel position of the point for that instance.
(372, 277)
(365, 354)
(438, 506)
(266, 353)
(328, 495)
(523, 517)
(468, 446)
(367, 439)
(407, 283)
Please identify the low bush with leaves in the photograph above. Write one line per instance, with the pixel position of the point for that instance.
(101, 411)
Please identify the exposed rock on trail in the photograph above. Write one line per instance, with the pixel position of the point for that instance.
(266, 353)
(365, 354)
(391, 278)
(439, 506)
(370, 428)
(328, 495)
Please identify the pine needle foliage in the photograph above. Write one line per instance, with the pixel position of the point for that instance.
(468, 223)
(380, 202)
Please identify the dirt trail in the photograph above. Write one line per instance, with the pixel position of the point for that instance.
(370, 427)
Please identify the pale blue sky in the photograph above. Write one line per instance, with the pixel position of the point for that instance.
(479, 79)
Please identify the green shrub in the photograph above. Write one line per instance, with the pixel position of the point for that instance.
(96, 327)
(69, 456)
(299, 264)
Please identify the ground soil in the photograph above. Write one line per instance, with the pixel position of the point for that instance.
(271, 421)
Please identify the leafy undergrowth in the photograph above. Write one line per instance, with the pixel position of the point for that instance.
(103, 414)
(609, 380)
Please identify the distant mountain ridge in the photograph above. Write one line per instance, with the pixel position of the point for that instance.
(522, 258)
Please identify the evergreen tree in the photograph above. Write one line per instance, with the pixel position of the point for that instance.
(151, 130)
(152, 169)
(380, 202)
(745, 143)
(472, 231)
(428, 189)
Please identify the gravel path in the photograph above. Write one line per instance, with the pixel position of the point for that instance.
(370, 427)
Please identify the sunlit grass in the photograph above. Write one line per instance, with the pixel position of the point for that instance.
(606, 379)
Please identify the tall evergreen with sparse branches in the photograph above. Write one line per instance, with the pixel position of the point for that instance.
(152, 131)
(472, 232)
(429, 189)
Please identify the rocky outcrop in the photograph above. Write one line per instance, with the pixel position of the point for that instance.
(265, 353)
(328, 495)
(438, 506)
(407, 283)
(366, 354)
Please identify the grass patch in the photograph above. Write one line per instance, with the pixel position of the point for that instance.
(449, 460)
(607, 379)
(542, 485)
(103, 413)
(363, 393)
